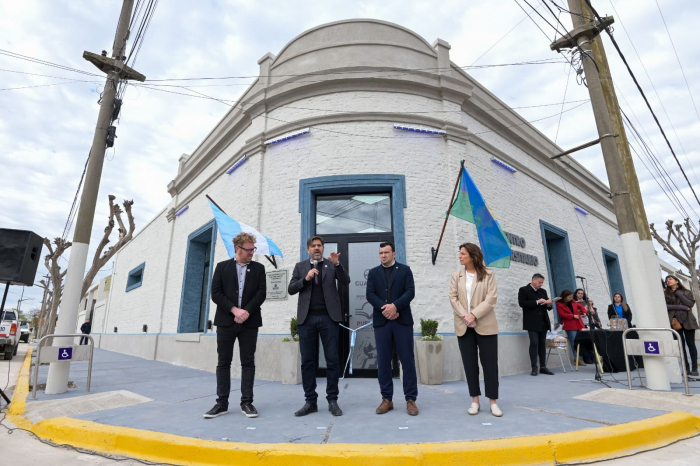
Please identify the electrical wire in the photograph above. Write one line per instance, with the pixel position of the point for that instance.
(641, 91)
(74, 207)
(241, 107)
(44, 62)
(11, 430)
(663, 107)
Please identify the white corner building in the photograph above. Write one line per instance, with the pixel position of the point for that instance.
(355, 131)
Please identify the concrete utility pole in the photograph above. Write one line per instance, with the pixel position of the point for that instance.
(642, 266)
(115, 68)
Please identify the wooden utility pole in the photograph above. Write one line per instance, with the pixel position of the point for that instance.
(116, 70)
(641, 264)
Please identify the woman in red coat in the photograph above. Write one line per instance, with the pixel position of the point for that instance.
(571, 313)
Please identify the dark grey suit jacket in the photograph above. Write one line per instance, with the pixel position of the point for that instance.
(330, 273)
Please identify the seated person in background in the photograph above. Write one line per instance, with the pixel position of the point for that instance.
(571, 313)
(620, 310)
(580, 297)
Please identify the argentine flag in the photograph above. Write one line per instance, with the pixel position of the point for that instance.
(229, 228)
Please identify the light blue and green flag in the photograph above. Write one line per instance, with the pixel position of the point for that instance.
(470, 206)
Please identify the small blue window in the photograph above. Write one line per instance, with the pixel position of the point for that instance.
(135, 277)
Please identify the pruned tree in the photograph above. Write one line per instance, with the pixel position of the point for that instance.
(47, 320)
(48, 323)
(688, 243)
(101, 256)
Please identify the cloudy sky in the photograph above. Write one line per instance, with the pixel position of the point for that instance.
(47, 122)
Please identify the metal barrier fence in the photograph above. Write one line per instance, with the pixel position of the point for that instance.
(654, 348)
(63, 353)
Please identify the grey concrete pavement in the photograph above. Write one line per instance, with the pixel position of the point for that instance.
(532, 405)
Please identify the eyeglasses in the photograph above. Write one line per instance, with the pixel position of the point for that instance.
(249, 251)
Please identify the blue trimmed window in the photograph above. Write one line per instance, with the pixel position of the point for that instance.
(135, 278)
(392, 187)
(612, 268)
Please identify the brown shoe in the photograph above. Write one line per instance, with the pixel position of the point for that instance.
(385, 407)
(411, 408)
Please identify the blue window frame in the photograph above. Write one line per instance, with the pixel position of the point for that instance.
(199, 268)
(309, 188)
(612, 268)
(135, 278)
(557, 255)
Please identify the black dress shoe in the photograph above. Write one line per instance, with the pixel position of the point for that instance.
(544, 370)
(334, 408)
(308, 408)
(534, 371)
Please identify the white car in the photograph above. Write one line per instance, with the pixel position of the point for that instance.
(9, 334)
(25, 332)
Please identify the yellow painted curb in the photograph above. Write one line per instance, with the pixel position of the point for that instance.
(566, 447)
(610, 442)
(19, 397)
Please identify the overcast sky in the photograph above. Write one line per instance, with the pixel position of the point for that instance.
(46, 132)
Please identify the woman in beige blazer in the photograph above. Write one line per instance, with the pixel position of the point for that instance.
(473, 294)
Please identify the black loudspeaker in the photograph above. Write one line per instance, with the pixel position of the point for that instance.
(20, 252)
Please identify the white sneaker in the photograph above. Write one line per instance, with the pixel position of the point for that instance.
(496, 411)
(474, 409)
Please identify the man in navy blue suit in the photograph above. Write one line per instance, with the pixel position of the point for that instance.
(390, 290)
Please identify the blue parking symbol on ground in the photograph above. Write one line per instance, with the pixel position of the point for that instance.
(651, 347)
(65, 354)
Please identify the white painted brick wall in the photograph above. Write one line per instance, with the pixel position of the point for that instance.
(430, 165)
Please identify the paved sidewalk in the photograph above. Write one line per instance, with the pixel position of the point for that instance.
(531, 406)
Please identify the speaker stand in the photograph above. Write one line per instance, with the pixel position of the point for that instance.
(2, 317)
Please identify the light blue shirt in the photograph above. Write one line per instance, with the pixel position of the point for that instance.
(618, 308)
(242, 269)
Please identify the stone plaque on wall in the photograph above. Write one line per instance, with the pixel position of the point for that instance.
(276, 284)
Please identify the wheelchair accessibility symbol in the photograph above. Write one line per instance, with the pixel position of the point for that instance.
(651, 347)
(64, 354)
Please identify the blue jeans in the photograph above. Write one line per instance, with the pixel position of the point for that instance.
(402, 335)
(309, 331)
(571, 335)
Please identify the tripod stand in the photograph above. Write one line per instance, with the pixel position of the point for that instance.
(591, 330)
(2, 317)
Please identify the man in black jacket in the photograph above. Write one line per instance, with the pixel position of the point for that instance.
(318, 314)
(536, 304)
(238, 288)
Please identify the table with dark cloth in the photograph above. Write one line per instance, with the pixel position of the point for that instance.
(610, 349)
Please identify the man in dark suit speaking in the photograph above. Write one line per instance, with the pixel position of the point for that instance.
(390, 290)
(238, 288)
(535, 303)
(318, 314)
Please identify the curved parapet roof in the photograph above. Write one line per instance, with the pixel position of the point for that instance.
(353, 43)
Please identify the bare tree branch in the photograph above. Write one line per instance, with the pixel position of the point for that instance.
(100, 258)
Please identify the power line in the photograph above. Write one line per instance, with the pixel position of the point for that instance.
(74, 209)
(403, 71)
(499, 40)
(239, 106)
(641, 91)
(44, 62)
(663, 107)
(679, 61)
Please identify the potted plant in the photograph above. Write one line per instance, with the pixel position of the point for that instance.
(430, 353)
(290, 356)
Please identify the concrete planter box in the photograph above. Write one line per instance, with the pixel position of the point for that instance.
(431, 358)
(290, 363)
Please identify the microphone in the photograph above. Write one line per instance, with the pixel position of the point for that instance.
(579, 276)
(315, 263)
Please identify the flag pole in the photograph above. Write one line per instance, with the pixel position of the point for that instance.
(270, 258)
(435, 251)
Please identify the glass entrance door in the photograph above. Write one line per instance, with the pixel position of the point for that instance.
(354, 225)
(358, 254)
